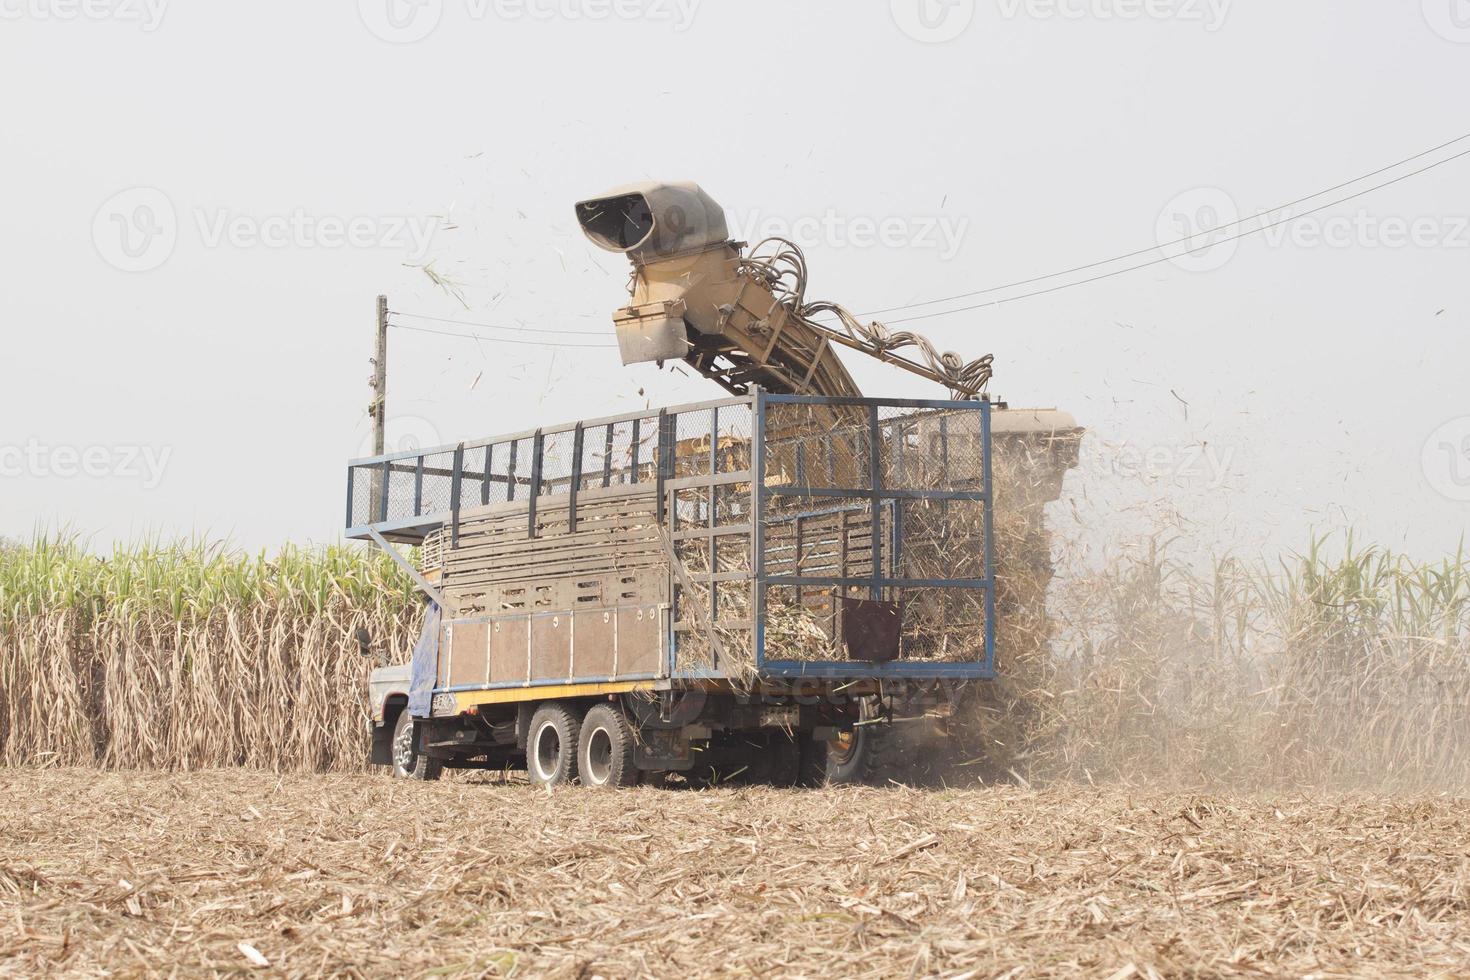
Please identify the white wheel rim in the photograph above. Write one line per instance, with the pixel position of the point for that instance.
(546, 752)
(403, 750)
(599, 756)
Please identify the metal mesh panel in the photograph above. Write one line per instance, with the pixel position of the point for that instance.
(438, 483)
(619, 452)
(596, 463)
(931, 450)
(940, 539)
(510, 469)
(858, 568)
(941, 624)
(643, 449)
(474, 485)
(402, 498)
(691, 507)
(692, 443)
(820, 446)
(801, 624)
(362, 495)
(556, 462)
(732, 504)
(735, 428)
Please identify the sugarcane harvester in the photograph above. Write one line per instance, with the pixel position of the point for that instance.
(740, 319)
(766, 584)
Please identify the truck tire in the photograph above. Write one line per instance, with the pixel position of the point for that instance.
(551, 745)
(848, 759)
(408, 764)
(605, 749)
(851, 760)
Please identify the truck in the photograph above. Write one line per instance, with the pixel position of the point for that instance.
(765, 585)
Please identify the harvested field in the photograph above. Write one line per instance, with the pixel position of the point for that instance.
(154, 873)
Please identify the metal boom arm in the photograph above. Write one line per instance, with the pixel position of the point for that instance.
(741, 318)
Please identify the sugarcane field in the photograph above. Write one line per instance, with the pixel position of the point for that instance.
(464, 514)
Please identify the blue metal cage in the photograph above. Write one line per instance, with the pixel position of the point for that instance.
(886, 491)
(899, 490)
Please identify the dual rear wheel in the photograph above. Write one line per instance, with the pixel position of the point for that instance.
(563, 747)
(596, 750)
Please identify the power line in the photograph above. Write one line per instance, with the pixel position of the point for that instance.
(501, 340)
(497, 326)
(1169, 258)
(1181, 241)
(1021, 282)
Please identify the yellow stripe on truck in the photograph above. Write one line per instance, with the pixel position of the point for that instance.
(465, 700)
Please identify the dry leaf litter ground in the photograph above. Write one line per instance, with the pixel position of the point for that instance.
(234, 871)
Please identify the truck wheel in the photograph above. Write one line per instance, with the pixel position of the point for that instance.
(605, 749)
(551, 745)
(847, 757)
(407, 764)
(852, 759)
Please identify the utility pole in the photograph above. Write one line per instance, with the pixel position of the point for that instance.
(377, 408)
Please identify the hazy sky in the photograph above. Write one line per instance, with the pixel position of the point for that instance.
(201, 202)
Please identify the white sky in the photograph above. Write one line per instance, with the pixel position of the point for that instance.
(1041, 137)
